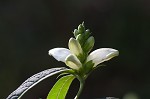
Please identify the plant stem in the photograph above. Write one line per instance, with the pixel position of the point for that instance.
(80, 89)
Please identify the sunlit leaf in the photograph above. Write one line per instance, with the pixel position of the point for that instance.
(61, 87)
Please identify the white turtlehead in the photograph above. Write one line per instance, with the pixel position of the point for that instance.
(103, 54)
(69, 56)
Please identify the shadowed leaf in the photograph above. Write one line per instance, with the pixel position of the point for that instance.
(33, 80)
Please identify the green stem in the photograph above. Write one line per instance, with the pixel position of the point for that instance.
(80, 89)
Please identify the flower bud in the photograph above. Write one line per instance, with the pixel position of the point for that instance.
(87, 33)
(81, 28)
(73, 62)
(75, 47)
(89, 44)
(80, 38)
(75, 32)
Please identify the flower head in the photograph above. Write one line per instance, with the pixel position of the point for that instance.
(77, 55)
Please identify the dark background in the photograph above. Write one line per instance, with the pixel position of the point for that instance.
(29, 28)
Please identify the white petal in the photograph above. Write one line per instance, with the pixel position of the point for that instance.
(73, 62)
(100, 55)
(59, 54)
(74, 46)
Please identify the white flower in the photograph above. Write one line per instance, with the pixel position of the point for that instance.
(103, 54)
(70, 56)
(73, 62)
(59, 54)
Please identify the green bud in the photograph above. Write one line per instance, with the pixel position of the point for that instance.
(83, 23)
(75, 32)
(89, 44)
(81, 29)
(80, 38)
(87, 33)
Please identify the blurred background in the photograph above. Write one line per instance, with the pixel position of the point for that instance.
(29, 28)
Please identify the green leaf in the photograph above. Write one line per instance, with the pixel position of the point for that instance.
(33, 80)
(62, 74)
(61, 87)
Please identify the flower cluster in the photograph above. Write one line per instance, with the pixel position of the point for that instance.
(77, 56)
